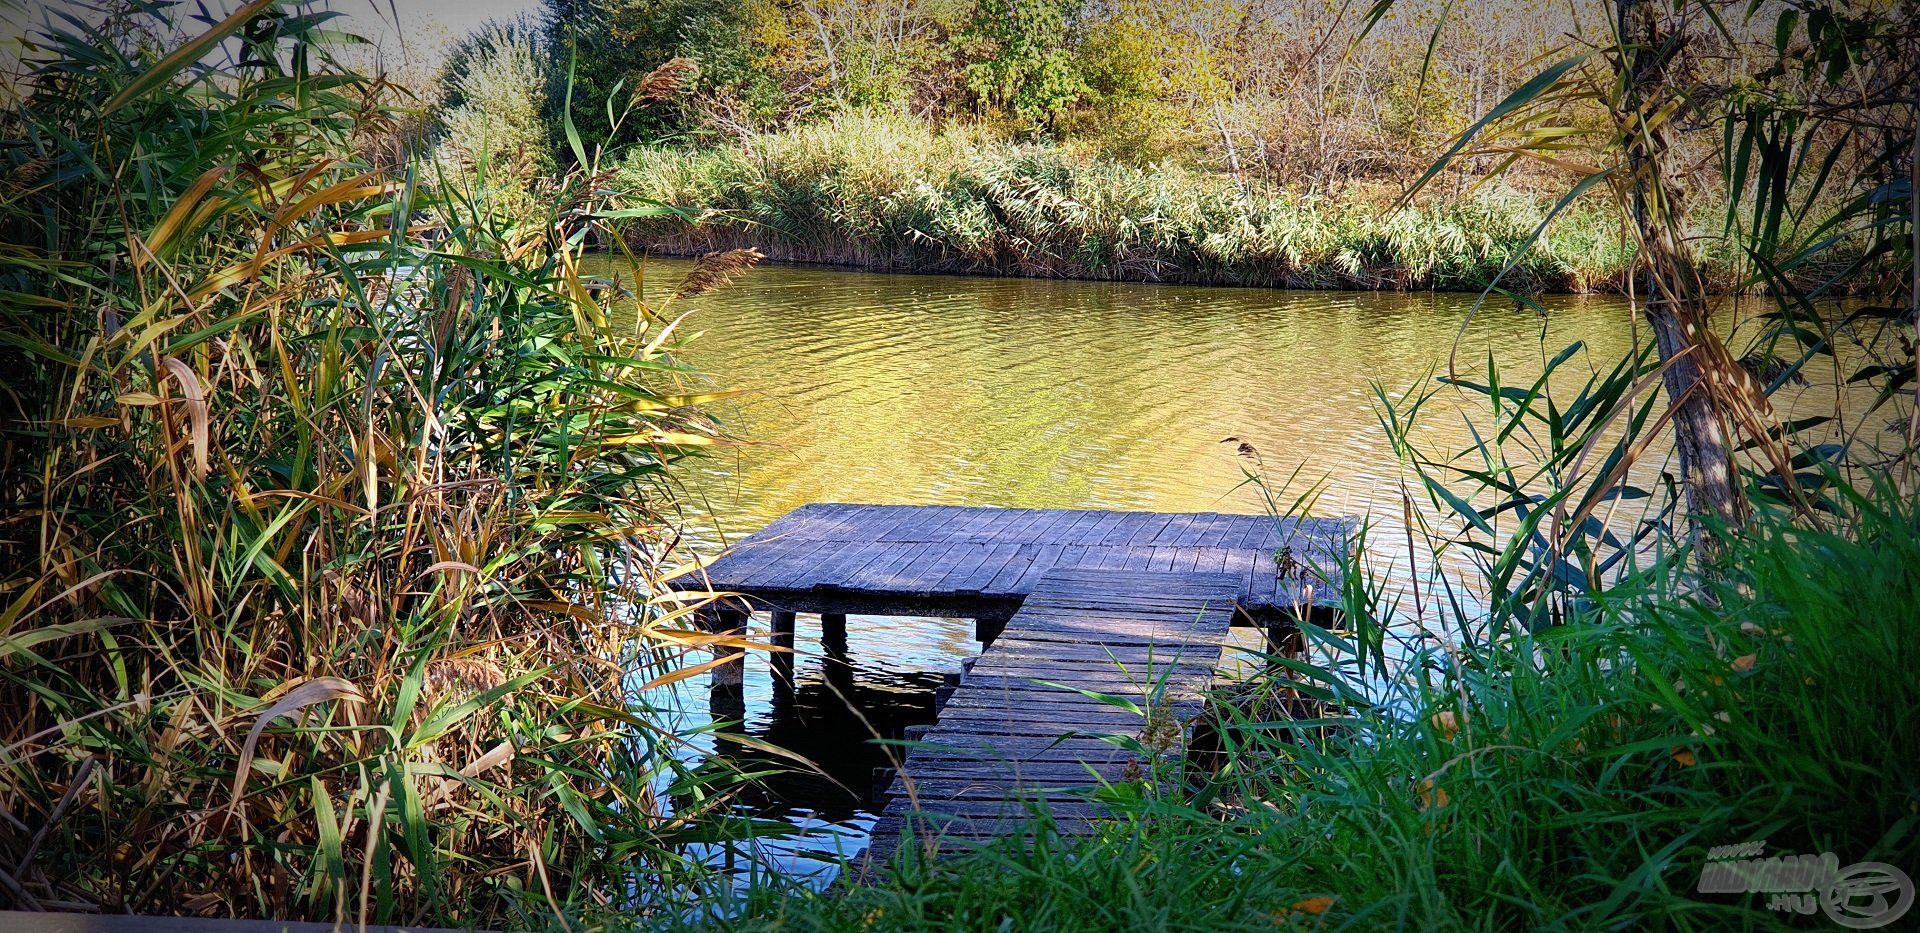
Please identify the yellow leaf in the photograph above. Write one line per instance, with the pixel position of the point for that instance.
(89, 422)
(667, 438)
(185, 212)
(197, 416)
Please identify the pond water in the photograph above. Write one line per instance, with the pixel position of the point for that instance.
(910, 389)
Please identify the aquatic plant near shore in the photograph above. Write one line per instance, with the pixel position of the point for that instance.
(336, 511)
(890, 192)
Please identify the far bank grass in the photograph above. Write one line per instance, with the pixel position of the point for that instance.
(892, 193)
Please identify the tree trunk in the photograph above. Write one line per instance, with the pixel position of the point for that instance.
(1675, 293)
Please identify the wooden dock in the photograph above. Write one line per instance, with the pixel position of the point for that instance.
(1125, 604)
(1020, 729)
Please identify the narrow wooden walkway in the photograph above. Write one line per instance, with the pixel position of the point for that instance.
(1020, 729)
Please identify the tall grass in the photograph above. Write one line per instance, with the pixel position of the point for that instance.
(336, 510)
(893, 193)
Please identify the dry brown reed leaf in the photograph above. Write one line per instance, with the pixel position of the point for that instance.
(196, 410)
(317, 690)
(495, 757)
(714, 270)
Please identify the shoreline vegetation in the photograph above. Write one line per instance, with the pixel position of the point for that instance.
(891, 193)
(337, 509)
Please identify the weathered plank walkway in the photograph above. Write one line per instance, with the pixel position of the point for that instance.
(1134, 604)
(1020, 729)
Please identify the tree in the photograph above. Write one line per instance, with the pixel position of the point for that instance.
(1796, 159)
(1023, 60)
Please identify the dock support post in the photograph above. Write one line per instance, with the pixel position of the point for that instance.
(782, 661)
(1283, 638)
(988, 628)
(833, 631)
(836, 666)
(727, 699)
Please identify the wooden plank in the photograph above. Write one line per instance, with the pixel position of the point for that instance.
(1148, 529)
(1041, 772)
(1042, 528)
(1057, 718)
(1068, 790)
(976, 526)
(885, 574)
(868, 523)
(840, 521)
(788, 556)
(937, 562)
(972, 746)
(981, 579)
(843, 572)
(738, 563)
(942, 559)
(990, 522)
(1073, 530)
(796, 571)
(1071, 555)
(835, 569)
(1015, 674)
(1109, 523)
(1253, 528)
(1009, 575)
(778, 557)
(1047, 559)
(924, 522)
(1045, 772)
(977, 553)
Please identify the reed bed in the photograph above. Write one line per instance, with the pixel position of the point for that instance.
(337, 512)
(891, 192)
